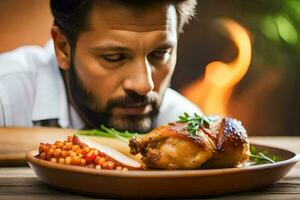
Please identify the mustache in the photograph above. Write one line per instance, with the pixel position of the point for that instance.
(132, 98)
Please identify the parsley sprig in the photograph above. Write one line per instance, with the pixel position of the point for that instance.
(103, 131)
(262, 157)
(194, 122)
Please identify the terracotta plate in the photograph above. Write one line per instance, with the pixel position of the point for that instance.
(150, 184)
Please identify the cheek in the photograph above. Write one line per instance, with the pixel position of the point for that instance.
(162, 78)
(101, 83)
(162, 75)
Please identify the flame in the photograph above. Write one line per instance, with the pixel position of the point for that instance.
(212, 93)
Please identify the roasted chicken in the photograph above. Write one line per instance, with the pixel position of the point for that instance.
(223, 144)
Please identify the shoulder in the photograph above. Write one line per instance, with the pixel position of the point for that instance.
(21, 67)
(25, 59)
(20, 60)
(19, 73)
(173, 105)
(17, 98)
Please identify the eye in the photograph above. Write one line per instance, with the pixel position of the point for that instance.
(114, 57)
(160, 54)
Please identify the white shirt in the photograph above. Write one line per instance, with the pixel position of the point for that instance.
(32, 90)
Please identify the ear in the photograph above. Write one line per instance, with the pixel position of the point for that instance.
(62, 48)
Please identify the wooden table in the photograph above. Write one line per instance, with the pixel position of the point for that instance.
(21, 183)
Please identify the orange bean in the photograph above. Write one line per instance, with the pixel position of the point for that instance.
(75, 147)
(53, 146)
(69, 145)
(57, 153)
(68, 160)
(54, 160)
(76, 160)
(109, 165)
(82, 162)
(79, 151)
(101, 161)
(59, 144)
(97, 159)
(96, 152)
(50, 152)
(118, 168)
(64, 153)
(86, 149)
(72, 153)
(61, 161)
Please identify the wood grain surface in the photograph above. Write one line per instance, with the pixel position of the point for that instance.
(15, 142)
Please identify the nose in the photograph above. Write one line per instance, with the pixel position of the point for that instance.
(140, 78)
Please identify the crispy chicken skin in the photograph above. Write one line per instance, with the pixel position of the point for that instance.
(171, 146)
(232, 144)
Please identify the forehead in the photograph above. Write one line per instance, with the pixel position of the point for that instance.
(133, 16)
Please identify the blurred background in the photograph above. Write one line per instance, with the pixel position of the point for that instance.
(236, 58)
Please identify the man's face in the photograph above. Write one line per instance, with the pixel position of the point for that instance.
(124, 62)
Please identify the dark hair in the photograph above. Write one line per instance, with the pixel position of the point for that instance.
(70, 15)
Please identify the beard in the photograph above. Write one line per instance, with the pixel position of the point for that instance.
(96, 115)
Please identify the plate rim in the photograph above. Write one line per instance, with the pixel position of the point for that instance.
(30, 158)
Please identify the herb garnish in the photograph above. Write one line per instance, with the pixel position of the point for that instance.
(194, 122)
(262, 157)
(108, 132)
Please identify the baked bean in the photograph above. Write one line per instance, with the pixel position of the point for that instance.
(108, 165)
(72, 152)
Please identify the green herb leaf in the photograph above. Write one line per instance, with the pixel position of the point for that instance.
(108, 132)
(194, 122)
(262, 157)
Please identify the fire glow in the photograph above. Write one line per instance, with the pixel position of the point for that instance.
(213, 92)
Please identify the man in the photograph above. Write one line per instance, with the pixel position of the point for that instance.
(115, 58)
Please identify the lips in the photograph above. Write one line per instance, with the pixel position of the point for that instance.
(135, 109)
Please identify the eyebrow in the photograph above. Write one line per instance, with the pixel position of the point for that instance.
(166, 45)
(109, 47)
(116, 47)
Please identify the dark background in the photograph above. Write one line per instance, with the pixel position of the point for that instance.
(267, 99)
